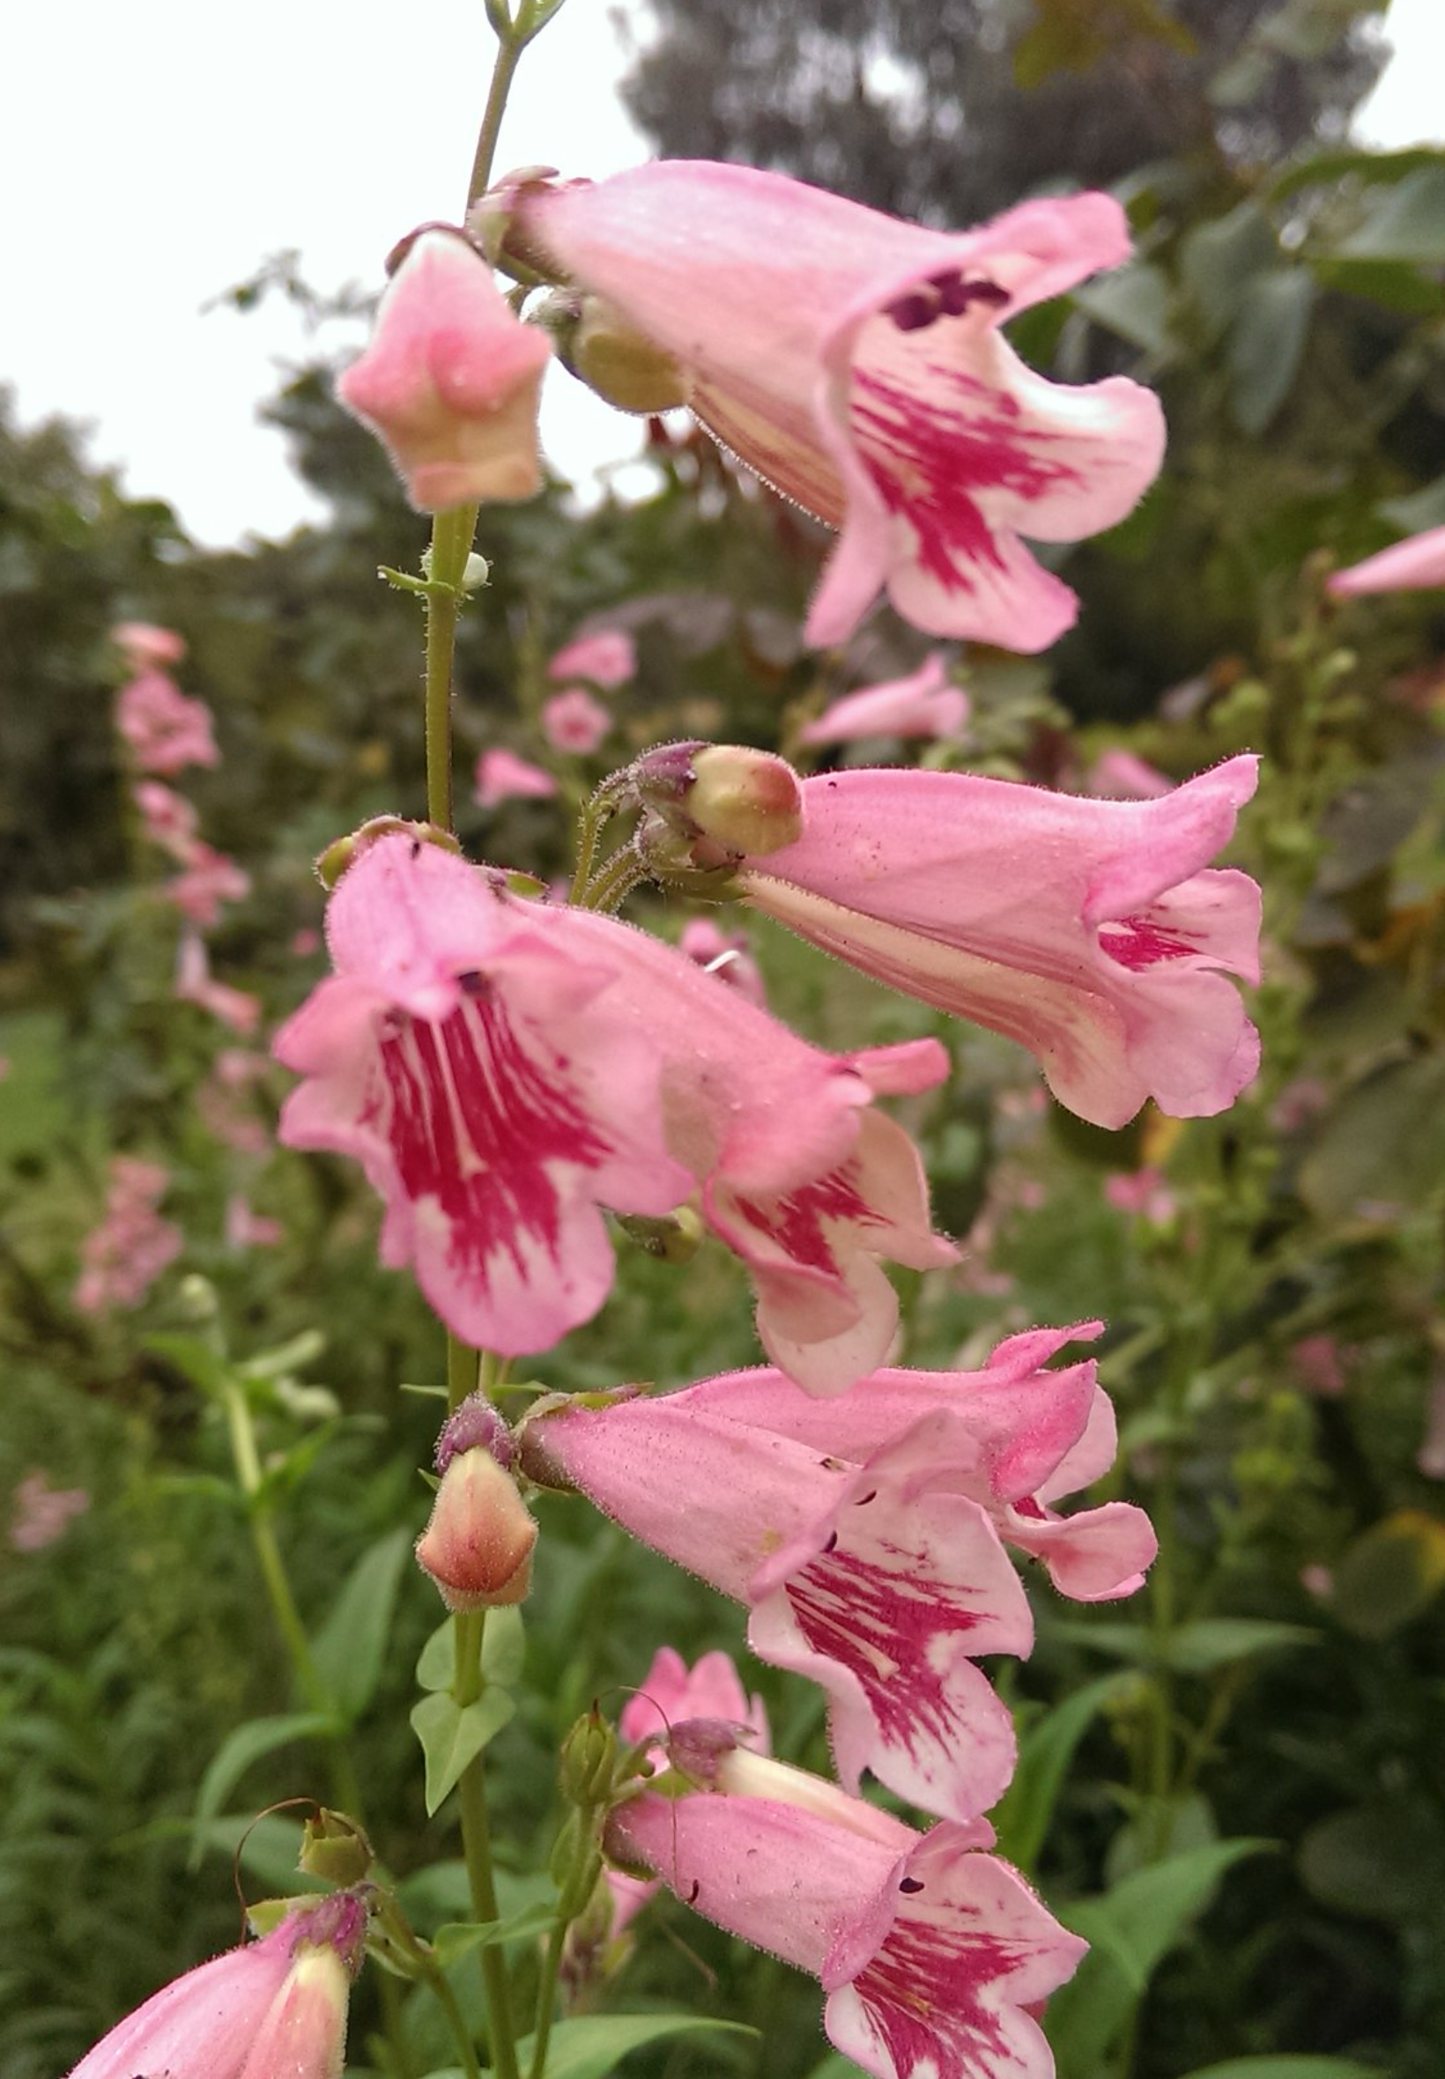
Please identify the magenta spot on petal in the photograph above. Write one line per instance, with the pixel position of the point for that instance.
(1137, 942)
(928, 458)
(795, 1221)
(886, 1627)
(922, 1993)
(481, 1127)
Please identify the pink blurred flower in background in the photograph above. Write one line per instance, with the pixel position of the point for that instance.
(146, 647)
(1118, 775)
(122, 1257)
(450, 381)
(607, 659)
(856, 362)
(1317, 1363)
(207, 879)
(574, 721)
(226, 1104)
(503, 776)
(935, 1956)
(165, 730)
(42, 1512)
(1084, 929)
(169, 819)
(246, 1229)
(196, 984)
(1416, 565)
(1142, 1192)
(923, 704)
(725, 954)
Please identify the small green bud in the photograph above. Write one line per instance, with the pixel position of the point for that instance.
(589, 1760)
(335, 1848)
(670, 1237)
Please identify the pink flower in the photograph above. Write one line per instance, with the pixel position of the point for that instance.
(246, 1229)
(1142, 1192)
(856, 362)
(122, 1257)
(195, 984)
(1317, 1366)
(477, 1545)
(1084, 929)
(924, 704)
(503, 1069)
(144, 646)
(725, 954)
(224, 1101)
(1117, 775)
(574, 721)
(42, 1512)
(1416, 565)
(932, 1953)
(865, 1534)
(503, 776)
(671, 1694)
(208, 879)
(305, 942)
(170, 820)
(165, 730)
(607, 659)
(450, 380)
(274, 2005)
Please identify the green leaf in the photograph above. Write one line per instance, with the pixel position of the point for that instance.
(1417, 510)
(1130, 1930)
(1219, 260)
(268, 1848)
(1133, 302)
(244, 1746)
(1045, 1752)
(595, 2044)
(1266, 343)
(1322, 167)
(1407, 222)
(350, 1648)
(1390, 1575)
(195, 1360)
(1288, 2068)
(1194, 1649)
(1384, 1859)
(459, 1937)
(436, 1663)
(1393, 283)
(1383, 1144)
(504, 1646)
(453, 1735)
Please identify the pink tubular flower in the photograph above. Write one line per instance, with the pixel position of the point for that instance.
(931, 1952)
(1118, 775)
(146, 647)
(165, 730)
(856, 363)
(170, 820)
(574, 721)
(503, 1069)
(273, 2006)
(924, 704)
(450, 380)
(42, 1513)
(503, 776)
(1084, 929)
(195, 984)
(207, 879)
(607, 659)
(122, 1257)
(1416, 565)
(865, 1533)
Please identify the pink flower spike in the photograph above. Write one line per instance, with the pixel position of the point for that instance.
(208, 878)
(165, 731)
(122, 1257)
(195, 984)
(170, 820)
(932, 1953)
(924, 704)
(856, 363)
(876, 1579)
(450, 380)
(271, 2006)
(607, 659)
(1090, 931)
(574, 721)
(503, 776)
(1416, 565)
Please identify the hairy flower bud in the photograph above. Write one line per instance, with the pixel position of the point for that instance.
(477, 1546)
(589, 1760)
(343, 851)
(621, 364)
(721, 801)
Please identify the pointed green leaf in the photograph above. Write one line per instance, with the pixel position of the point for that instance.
(1407, 222)
(350, 1648)
(453, 1735)
(244, 1746)
(190, 1355)
(1267, 342)
(504, 1647)
(459, 1937)
(436, 1664)
(1045, 1752)
(1288, 2068)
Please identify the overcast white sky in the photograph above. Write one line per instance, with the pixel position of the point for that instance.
(153, 152)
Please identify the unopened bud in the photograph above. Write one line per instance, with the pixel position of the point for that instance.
(335, 1849)
(749, 802)
(623, 366)
(344, 851)
(589, 1760)
(478, 1545)
(474, 1426)
(671, 1237)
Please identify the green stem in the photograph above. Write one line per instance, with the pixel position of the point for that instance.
(614, 882)
(509, 52)
(467, 1685)
(451, 544)
(574, 1897)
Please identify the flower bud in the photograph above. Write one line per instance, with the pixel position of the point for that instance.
(670, 1237)
(474, 1426)
(623, 366)
(335, 1849)
(749, 802)
(589, 1760)
(478, 1545)
(344, 851)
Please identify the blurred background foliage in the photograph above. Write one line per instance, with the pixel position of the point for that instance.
(1236, 1786)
